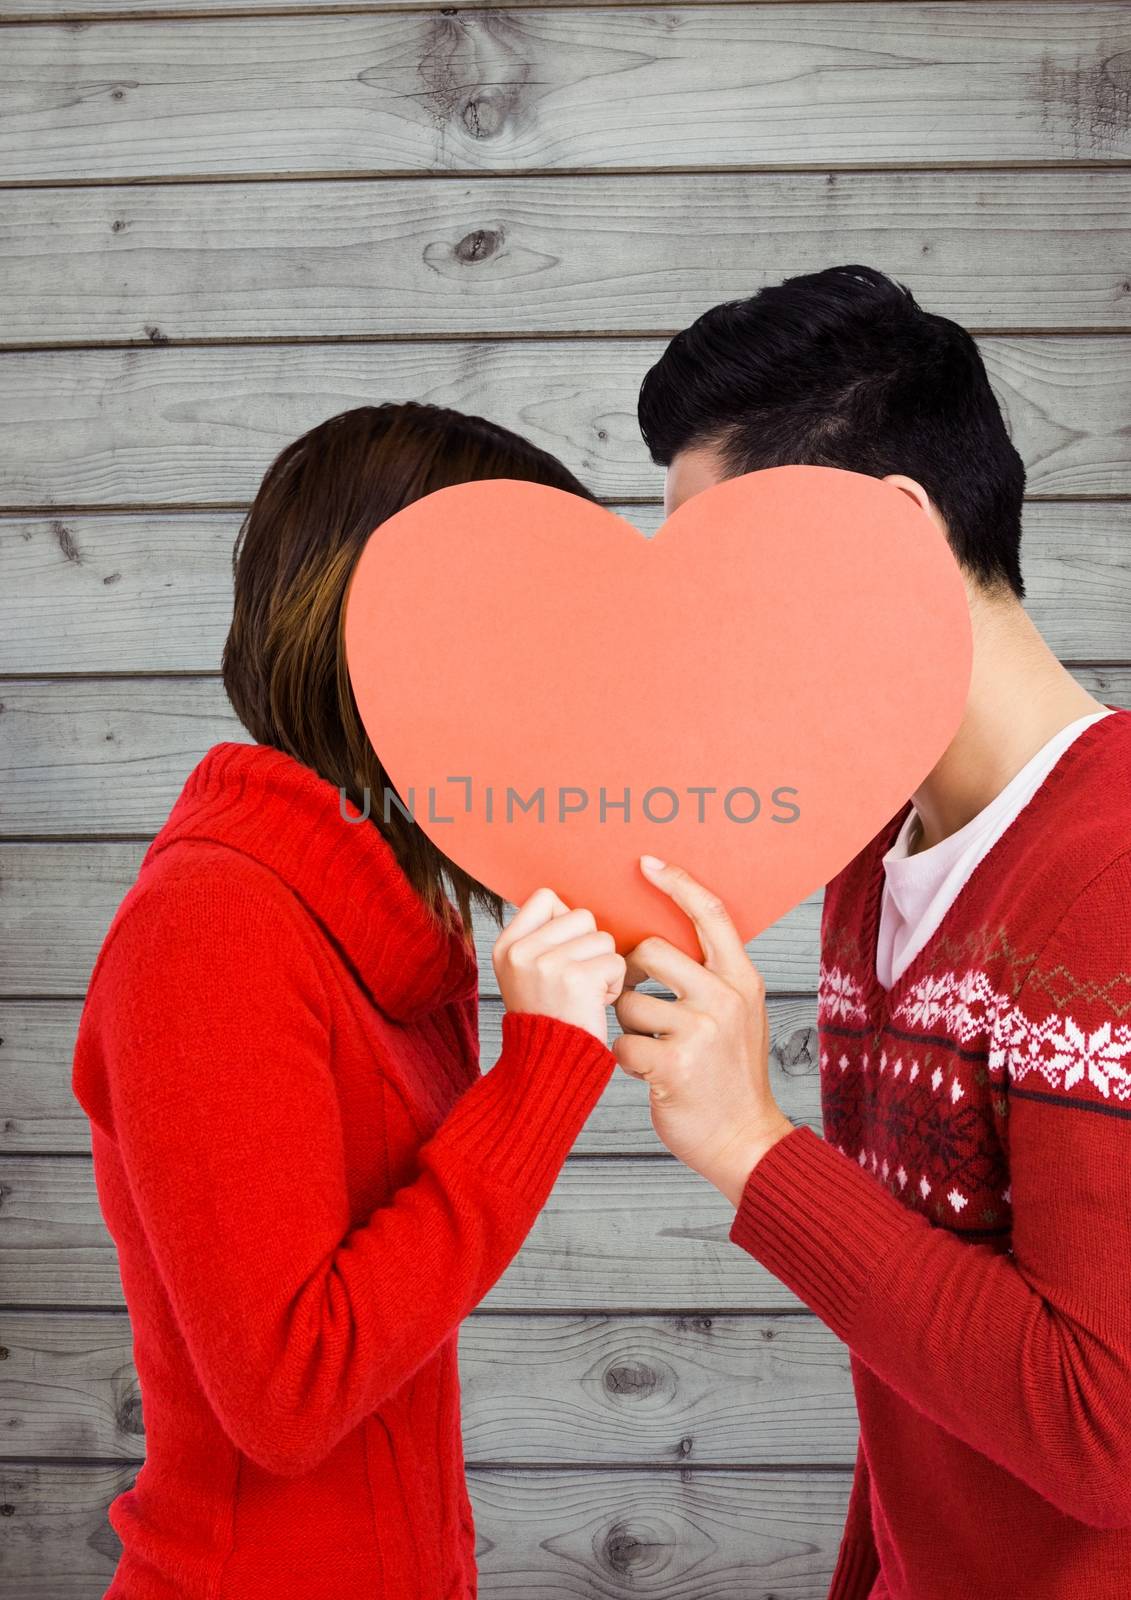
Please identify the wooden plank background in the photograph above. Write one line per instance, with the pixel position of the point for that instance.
(223, 221)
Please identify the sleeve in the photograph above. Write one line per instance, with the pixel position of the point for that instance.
(217, 1053)
(1026, 1357)
(857, 1563)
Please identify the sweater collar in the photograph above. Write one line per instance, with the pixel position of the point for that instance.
(271, 807)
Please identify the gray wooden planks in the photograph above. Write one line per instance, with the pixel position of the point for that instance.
(584, 1535)
(412, 257)
(618, 1234)
(482, 91)
(536, 1391)
(41, 1115)
(199, 426)
(57, 901)
(151, 593)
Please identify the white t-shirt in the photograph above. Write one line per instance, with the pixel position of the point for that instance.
(919, 889)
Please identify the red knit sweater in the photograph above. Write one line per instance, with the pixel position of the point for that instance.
(310, 1186)
(966, 1225)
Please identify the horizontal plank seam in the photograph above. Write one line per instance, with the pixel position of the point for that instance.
(77, 1309)
(457, 336)
(523, 175)
(188, 675)
(575, 1157)
(685, 1464)
(541, 1313)
(471, 336)
(238, 13)
(477, 174)
(49, 511)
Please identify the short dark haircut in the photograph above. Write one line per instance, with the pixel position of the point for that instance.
(842, 368)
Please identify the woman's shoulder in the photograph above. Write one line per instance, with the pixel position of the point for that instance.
(204, 901)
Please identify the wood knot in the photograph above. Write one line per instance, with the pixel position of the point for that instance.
(484, 116)
(479, 245)
(7, 1511)
(631, 1378)
(129, 1416)
(65, 539)
(622, 1550)
(798, 1055)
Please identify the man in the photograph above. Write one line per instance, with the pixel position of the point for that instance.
(965, 1225)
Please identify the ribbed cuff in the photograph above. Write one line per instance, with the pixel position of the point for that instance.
(521, 1122)
(819, 1223)
(856, 1571)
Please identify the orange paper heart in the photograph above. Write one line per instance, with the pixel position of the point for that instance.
(752, 693)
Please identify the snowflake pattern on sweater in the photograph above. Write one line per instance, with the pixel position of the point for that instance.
(922, 1100)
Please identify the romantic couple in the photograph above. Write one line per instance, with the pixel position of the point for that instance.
(311, 1185)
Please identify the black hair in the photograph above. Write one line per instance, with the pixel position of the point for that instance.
(843, 368)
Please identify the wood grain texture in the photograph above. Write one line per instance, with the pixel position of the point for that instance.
(998, 250)
(777, 85)
(147, 593)
(558, 1535)
(199, 426)
(658, 1391)
(41, 1115)
(618, 1234)
(57, 901)
(115, 594)
(714, 1389)
(682, 1535)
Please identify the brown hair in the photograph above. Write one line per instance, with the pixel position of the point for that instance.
(284, 662)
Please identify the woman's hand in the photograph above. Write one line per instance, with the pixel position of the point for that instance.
(556, 962)
(705, 1054)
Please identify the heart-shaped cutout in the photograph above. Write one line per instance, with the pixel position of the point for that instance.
(751, 693)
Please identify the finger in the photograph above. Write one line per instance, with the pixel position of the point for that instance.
(656, 958)
(583, 947)
(723, 950)
(538, 909)
(560, 930)
(607, 970)
(638, 1055)
(645, 1013)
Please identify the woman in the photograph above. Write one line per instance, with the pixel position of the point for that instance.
(308, 1181)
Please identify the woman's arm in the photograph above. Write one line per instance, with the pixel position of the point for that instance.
(214, 1052)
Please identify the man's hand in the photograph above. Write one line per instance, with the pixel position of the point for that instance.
(705, 1054)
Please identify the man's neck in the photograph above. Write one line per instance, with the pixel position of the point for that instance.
(1020, 696)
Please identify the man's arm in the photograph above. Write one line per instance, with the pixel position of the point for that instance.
(1027, 1357)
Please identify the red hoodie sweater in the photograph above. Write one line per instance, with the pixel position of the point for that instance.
(966, 1225)
(310, 1186)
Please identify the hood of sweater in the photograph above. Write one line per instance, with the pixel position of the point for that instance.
(266, 804)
